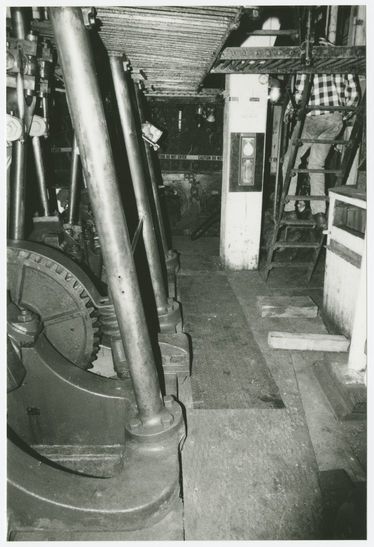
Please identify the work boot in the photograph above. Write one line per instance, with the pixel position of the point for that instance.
(321, 221)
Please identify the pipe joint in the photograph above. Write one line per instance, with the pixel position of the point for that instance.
(168, 423)
(172, 261)
(171, 321)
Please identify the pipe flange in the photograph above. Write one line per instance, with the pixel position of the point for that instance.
(172, 261)
(171, 320)
(165, 425)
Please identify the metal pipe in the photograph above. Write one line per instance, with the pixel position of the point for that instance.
(18, 23)
(122, 88)
(91, 130)
(17, 217)
(40, 174)
(152, 174)
(73, 181)
(18, 194)
(333, 24)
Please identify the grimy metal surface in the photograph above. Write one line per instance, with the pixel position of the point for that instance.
(40, 173)
(91, 130)
(289, 60)
(174, 47)
(123, 86)
(45, 495)
(18, 189)
(51, 284)
(74, 196)
(152, 173)
(18, 193)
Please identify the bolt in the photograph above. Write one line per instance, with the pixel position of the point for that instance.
(168, 401)
(167, 419)
(25, 316)
(134, 423)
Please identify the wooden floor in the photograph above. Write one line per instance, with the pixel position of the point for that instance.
(249, 472)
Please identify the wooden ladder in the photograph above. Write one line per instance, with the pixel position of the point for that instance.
(282, 224)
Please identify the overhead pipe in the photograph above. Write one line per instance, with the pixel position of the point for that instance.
(171, 257)
(168, 312)
(91, 131)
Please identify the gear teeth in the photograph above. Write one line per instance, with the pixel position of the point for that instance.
(25, 254)
(40, 259)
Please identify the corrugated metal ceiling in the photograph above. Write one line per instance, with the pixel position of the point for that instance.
(174, 47)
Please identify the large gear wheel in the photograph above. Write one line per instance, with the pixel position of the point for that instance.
(50, 284)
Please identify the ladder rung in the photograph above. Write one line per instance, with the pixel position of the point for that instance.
(331, 108)
(288, 265)
(291, 245)
(316, 170)
(323, 141)
(297, 222)
(307, 198)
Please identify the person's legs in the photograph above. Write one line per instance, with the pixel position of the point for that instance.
(306, 134)
(327, 126)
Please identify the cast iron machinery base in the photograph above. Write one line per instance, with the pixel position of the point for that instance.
(79, 457)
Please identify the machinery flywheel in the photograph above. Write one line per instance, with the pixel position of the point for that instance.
(47, 282)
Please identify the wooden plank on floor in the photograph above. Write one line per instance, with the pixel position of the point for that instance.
(307, 341)
(287, 306)
(249, 475)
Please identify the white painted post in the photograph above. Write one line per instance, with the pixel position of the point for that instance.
(245, 112)
(357, 354)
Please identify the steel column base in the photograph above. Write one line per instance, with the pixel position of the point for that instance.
(171, 321)
(172, 261)
(175, 354)
(169, 423)
(41, 497)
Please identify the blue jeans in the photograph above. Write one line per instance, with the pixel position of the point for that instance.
(325, 126)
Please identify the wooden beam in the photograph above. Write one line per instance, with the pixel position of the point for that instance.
(287, 306)
(307, 341)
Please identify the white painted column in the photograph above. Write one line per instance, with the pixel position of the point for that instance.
(246, 102)
(357, 354)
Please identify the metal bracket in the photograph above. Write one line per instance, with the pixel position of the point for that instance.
(89, 17)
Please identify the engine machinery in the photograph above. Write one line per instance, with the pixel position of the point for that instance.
(86, 452)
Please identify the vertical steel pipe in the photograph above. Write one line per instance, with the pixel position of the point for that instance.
(152, 174)
(74, 181)
(18, 191)
(18, 23)
(122, 85)
(40, 175)
(91, 130)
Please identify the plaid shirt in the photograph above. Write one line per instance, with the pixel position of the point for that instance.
(329, 90)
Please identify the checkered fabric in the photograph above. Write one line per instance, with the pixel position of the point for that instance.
(329, 90)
